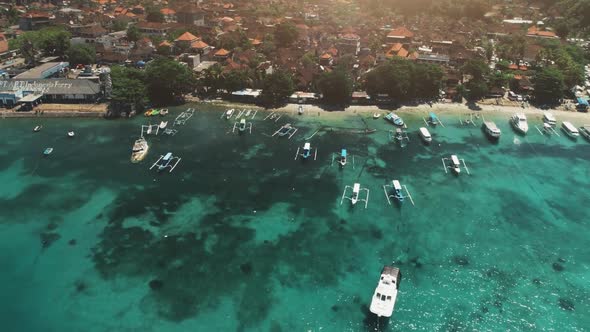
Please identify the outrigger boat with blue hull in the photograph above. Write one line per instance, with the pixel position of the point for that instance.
(395, 190)
(395, 119)
(286, 130)
(48, 151)
(355, 196)
(166, 161)
(307, 152)
(433, 120)
(242, 126)
(342, 160)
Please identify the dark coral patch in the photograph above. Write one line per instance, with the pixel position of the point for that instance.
(461, 260)
(47, 239)
(566, 304)
(246, 268)
(557, 267)
(156, 284)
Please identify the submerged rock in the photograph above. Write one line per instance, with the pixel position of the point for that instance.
(566, 304)
(47, 239)
(246, 268)
(461, 260)
(557, 267)
(72, 242)
(156, 284)
(80, 286)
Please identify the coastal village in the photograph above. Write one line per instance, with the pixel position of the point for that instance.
(96, 55)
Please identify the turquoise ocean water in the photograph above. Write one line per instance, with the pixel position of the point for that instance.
(241, 237)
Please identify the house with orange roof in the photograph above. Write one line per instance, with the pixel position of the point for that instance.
(400, 35)
(326, 59)
(169, 14)
(34, 20)
(184, 41)
(221, 54)
(349, 43)
(200, 47)
(537, 33)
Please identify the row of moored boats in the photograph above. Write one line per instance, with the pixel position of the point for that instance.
(520, 124)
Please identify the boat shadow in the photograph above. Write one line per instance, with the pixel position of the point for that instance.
(372, 322)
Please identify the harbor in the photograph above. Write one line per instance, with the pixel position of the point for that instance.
(163, 243)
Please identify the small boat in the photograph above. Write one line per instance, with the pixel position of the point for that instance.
(376, 115)
(585, 131)
(455, 164)
(433, 119)
(164, 112)
(285, 130)
(342, 160)
(519, 123)
(163, 124)
(140, 149)
(37, 128)
(549, 119)
(306, 150)
(397, 191)
(165, 161)
(48, 151)
(386, 292)
(242, 126)
(229, 113)
(155, 112)
(71, 133)
(547, 126)
(491, 129)
(248, 113)
(300, 109)
(399, 134)
(148, 113)
(356, 188)
(570, 130)
(425, 134)
(395, 119)
(149, 130)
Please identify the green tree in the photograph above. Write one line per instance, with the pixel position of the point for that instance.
(276, 88)
(549, 86)
(427, 81)
(236, 80)
(212, 79)
(119, 25)
(128, 89)
(285, 34)
(336, 87)
(54, 41)
(478, 69)
(133, 33)
(168, 80)
(476, 89)
(81, 54)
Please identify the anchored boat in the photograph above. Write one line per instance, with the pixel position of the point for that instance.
(306, 150)
(140, 150)
(356, 188)
(229, 113)
(491, 129)
(300, 109)
(37, 128)
(455, 164)
(376, 115)
(425, 134)
(71, 133)
(585, 131)
(164, 112)
(433, 119)
(48, 151)
(397, 191)
(570, 130)
(242, 126)
(385, 294)
(285, 130)
(342, 160)
(395, 119)
(163, 124)
(165, 162)
(519, 123)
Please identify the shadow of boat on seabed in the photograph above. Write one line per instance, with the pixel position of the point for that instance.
(372, 322)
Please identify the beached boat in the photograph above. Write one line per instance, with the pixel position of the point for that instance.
(491, 129)
(148, 113)
(164, 112)
(395, 119)
(455, 164)
(342, 159)
(71, 133)
(149, 130)
(300, 109)
(37, 128)
(140, 150)
(47, 151)
(242, 126)
(376, 115)
(248, 113)
(549, 119)
(229, 113)
(425, 135)
(519, 123)
(165, 161)
(570, 130)
(585, 131)
(385, 294)
(155, 112)
(163, 124)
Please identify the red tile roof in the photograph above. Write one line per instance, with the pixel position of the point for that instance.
(400, 32)
(199, 45)
(222, 52)
(167, 11)
(187, 36)
(326, 56)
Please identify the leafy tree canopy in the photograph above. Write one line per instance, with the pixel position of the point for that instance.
(81, 54)
(336, 87)
(285, 34)
(549, 86)
(276, 88)
(167, 80)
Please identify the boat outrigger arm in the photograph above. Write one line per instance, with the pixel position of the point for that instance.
(307, 152)
(166, 161)
(355, 196)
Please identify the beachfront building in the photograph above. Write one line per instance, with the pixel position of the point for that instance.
(13, 92)
(46, 70)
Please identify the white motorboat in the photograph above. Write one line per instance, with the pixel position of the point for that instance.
(549, 119)
(163, 112)
(585, 131)
(491, 129)
(140, 149)
(376, 115)
(47, 151)
(71, 133)
(163, 124)
(300, 109)
(248, 113)
(570, 130)
(149, 130)
(395, 119)
(37, 128)
(425, 135)
(385, 295)
(356, 188)
(519, 123)
(455, 164)
(242, 126)
(229, 113)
